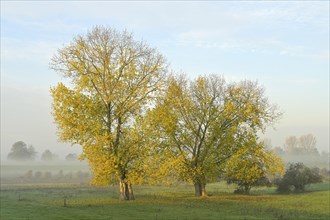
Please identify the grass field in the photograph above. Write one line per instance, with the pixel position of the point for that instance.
(46, 201)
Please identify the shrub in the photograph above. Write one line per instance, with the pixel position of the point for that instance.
(252, 166)
(28, 174)
(60, 175)
(81, 175)
(38, 175)
(68, 176)
(47, 175)
(297, 176)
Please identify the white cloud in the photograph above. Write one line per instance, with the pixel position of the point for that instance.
(281, 28)
(216, 40)
(284, 13)
(183, 14)
(302, 82)
(244, 26)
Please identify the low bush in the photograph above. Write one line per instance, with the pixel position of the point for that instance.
(296, 177)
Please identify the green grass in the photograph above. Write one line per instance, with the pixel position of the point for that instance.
(24, 202)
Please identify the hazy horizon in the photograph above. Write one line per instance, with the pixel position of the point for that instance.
(45, 127)
(282, 45)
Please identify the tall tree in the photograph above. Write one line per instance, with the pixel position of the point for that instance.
(204, 122)
(112, 79)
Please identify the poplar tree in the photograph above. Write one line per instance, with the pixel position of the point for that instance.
(110, 81)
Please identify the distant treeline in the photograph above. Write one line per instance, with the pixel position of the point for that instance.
(20, 151)
(303, 149)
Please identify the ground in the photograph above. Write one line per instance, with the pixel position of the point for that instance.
(46, 201)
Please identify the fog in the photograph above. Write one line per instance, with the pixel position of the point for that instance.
(44, 172)
(26, 116)
(278, 135)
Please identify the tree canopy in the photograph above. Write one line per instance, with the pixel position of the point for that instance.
(204, 122)
(133, 121)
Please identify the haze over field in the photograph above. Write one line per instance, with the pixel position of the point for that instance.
(283, 45)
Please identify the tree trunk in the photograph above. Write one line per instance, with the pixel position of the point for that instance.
(247, 190)
(203, 188)
(126, 190)
(130, 192)
(197, 189)
(200, 189)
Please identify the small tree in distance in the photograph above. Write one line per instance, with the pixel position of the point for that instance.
(20, 151)
(71, 157)
(47, 155)
(296, 177)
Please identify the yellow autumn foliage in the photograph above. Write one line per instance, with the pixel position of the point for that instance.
(111, 80)
(253, 165)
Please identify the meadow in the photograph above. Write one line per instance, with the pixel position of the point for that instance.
(37, 192)
(71, 201)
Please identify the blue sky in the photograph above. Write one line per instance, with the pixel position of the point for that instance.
(284, 45)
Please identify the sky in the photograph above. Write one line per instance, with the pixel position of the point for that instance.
(284, 45)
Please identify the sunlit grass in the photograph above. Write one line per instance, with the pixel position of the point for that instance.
(160, 202)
